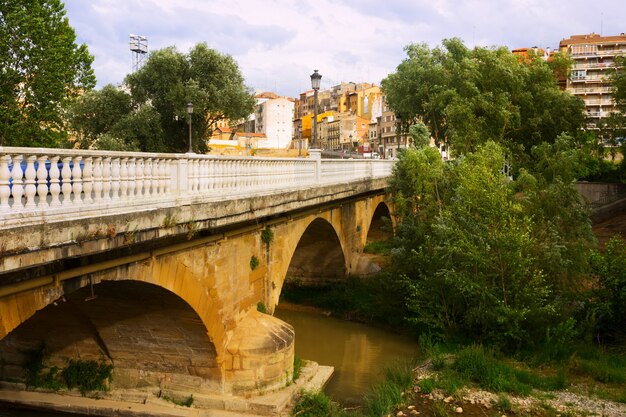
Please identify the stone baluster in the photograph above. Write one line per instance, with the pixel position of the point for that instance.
(88, 180)
(55, 187)
(147, 177)
(97, 180)
(66, 181)
(131, 178)
(5, 189)
(210, 176)
(106, 179)
(196, 176)
(42, 181)
(124, 178)
(115, 179)
(162, 164)
(139, 192)
(154, 183)
(204, 176)
(18, 184)
(30, 189)
(217, 177)
(167, 176)
(77, 180)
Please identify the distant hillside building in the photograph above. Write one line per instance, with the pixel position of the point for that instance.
(593, 56)
(273, 117)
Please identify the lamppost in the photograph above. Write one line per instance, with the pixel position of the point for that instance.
(300, 139)
(189, 113)
(316, 77)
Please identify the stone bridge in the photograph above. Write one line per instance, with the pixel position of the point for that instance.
(160, 263)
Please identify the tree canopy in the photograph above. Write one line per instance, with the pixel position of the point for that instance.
(468, 97)
(41, 66)
(209, 80)
(485, 256)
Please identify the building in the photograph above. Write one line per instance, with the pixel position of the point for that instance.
(273, 117)
(593, 56)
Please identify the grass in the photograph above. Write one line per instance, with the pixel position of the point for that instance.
(380, 400)
(385, 396)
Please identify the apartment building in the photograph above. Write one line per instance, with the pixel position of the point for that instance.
(594, 56)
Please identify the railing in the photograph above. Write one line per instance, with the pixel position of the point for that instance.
(40, 182)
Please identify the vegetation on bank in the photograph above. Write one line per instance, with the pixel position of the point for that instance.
(380, 400)
(83, 375)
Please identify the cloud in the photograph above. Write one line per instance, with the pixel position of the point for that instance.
(278, 43)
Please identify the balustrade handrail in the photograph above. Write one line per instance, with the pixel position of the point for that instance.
(37, 182)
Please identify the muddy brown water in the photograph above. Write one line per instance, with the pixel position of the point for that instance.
(358, 352)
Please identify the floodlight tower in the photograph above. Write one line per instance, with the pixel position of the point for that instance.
(139, 49)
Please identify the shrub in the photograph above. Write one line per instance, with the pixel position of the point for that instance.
(87, 375)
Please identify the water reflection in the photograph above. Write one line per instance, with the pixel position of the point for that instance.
(358, 352)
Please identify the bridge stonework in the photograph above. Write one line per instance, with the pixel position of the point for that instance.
(185, 315)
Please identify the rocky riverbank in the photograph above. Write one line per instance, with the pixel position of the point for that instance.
(473, 402)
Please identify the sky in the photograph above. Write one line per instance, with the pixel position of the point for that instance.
(278, 43)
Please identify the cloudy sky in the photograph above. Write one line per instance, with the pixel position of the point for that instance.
(278, 43)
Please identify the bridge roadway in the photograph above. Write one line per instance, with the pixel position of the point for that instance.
(158, 263)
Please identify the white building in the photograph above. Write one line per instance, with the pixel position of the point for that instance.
(273, 117)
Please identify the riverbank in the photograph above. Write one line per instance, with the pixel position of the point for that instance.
(161, 403)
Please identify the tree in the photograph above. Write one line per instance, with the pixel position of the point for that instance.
(112, 113)
(40, 68)
(209, 80)
(484, 256)
(97, 111)
(468, 97)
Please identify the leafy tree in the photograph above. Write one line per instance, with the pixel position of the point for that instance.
(468, 97)
(97, 111)
(108, 119)
(211, 81)
(484, 256)
(609, 298)
(40, 68)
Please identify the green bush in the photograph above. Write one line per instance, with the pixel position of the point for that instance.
(426, 385)
(87, 375)
(316, 404)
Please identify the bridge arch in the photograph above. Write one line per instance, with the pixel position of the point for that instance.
(318, 256)
(381, 224)
(148, 333)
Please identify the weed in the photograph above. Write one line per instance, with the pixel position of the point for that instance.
(169, 220)
(260, 306)
(504, 402)
(316, 404)
(87, 375)
(34, 365)
(440, 410)
(427, 385)
(187, 402)
(297, 367)
(192, 229)
(267, 235)
(254, 262)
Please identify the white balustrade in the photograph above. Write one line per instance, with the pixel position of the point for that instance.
(58, 181)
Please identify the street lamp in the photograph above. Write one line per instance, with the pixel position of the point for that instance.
(316, 77)
(300, 139)
(189, 113)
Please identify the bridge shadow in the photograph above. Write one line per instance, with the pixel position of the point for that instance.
(318, 257)
(147, 332)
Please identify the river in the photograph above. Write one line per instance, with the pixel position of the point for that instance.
(357, 351)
